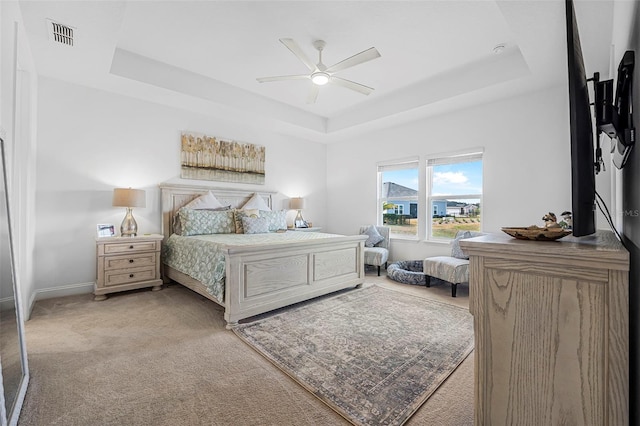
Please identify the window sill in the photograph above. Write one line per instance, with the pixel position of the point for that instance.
(407, 240)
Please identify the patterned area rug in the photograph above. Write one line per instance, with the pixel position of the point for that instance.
(373, 355)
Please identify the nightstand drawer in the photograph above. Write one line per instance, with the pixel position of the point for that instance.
(132, 275)
(130, 247)
(133, 261)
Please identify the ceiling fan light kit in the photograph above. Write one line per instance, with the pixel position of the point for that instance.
(320, 78)
(320, 73)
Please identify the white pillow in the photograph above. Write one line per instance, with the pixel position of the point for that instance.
(206, 201)
(256, 202)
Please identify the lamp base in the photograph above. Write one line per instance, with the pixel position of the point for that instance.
(129, 227)
(299, 222)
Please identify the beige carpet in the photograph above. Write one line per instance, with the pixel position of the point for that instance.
(165, 358)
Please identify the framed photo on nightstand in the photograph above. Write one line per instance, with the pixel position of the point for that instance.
(106, 230)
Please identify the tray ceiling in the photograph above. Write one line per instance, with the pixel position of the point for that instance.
(205, 56)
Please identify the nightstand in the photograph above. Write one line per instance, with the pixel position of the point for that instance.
(127, 263)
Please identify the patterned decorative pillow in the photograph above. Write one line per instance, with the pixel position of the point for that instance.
(255, 225)
(177, 225)
(456, 251)
(203, 222)
(374, 236)
(256, 202)
(276, 219)
(239, 214)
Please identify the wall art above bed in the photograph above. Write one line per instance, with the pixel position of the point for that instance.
(205, 157)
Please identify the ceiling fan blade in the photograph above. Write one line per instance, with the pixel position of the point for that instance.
(295, 49)
(313, 94)
(361, 88)
(282, 77)
(358, 58)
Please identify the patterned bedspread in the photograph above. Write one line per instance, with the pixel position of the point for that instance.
(201, 256)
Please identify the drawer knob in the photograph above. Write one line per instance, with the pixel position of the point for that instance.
(130, 260)
(131, 247)
(130, 275)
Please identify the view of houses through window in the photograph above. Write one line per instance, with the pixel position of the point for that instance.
(454, 193)
(399, 197)
(453, 187)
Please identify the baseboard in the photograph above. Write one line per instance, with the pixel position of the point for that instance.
(61, 291)
(7, 303)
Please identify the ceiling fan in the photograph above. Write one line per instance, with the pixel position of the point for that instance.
(320, 73)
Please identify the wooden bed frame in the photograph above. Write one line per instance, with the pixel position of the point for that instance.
(263, 278)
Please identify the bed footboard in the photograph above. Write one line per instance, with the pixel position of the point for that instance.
(261, 279)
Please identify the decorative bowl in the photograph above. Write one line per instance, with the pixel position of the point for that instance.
(536, 233)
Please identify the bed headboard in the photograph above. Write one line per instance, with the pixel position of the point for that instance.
(175, 196)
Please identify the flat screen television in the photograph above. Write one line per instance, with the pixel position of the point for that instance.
(583, 179)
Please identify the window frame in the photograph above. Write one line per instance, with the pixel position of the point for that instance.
(400, 164)
(424, 199)
(448, 159)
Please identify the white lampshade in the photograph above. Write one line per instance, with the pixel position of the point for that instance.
(127, 197)
(296, 203)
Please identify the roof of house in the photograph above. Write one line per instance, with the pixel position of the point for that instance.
(392, 190)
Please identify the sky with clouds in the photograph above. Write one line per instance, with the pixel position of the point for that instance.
(454, 179)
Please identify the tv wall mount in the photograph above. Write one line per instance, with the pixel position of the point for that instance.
(614, 115)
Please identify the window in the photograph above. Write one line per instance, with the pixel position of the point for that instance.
(398, 184)
(454, 192)
(445, 188)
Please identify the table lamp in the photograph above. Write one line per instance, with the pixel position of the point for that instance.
(129, 198)
(297, 203)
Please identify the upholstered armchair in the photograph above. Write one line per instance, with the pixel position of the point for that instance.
(376, 248)
(453, 269)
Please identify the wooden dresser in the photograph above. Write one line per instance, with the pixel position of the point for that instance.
(127, 263)
(551, 330)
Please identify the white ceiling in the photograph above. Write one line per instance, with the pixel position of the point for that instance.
(205, 56)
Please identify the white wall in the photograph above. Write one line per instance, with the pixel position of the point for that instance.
(526, 164)
(91, 141)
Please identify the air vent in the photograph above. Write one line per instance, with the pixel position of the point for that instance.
(60, 33)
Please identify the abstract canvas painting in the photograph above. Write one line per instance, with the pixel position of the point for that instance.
(205, 157)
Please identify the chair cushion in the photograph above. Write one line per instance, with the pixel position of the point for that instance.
(375, 256)
(374, 236)
(450, 269)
